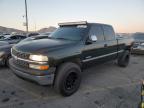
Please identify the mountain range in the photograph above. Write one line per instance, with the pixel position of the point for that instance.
(49, 29)
(10, 30)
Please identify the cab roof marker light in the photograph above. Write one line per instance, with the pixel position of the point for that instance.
(73, 23)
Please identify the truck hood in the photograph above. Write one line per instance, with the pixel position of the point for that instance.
(42, 45)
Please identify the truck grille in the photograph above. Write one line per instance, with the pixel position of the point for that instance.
(20, 54)
(21, 63)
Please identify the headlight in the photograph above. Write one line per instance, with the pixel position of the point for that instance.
(1, 54)
(39, 58)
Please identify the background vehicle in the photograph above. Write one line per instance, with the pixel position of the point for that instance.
(4, 36)
(5, 54)
(33, 34)
(138, 39)
(5, 48)
(59, 59)
(35, 38)
(139, 49)
(47, 33)
(12, 39)
(3, 43)
(6, 43)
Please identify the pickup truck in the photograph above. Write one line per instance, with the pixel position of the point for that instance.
(59, 60)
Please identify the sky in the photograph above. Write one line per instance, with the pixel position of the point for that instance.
(126, 16)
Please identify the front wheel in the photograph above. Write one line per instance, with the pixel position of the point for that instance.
(68, 79)
(123, 61)
(7, 61)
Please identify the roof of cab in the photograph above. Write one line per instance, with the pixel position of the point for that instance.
(80, 23)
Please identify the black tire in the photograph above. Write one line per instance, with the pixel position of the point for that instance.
(123, 61)
(3, 62)
(68, 79)
(140, 105)
(7, 61)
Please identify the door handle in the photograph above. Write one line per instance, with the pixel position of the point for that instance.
(105, 45)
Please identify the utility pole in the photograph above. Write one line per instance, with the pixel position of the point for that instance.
(27, 30)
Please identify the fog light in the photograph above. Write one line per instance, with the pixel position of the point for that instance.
(39, 67)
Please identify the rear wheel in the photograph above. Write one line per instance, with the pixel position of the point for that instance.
(123, 61)
(67, 79)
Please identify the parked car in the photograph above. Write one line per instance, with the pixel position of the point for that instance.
(12, 39)
(5, 54)
(138, 39)
(59, 60)
(47, 33)
(1, 36)
(139, 49)
(4, 36)
(33, 34)
(35, 38)
(5, 48)
(3, 43)
(6, 43)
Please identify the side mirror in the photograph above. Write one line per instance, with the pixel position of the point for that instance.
(93, 38)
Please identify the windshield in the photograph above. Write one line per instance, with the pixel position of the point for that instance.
(73, 33)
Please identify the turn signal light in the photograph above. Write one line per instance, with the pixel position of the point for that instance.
(39, 67)
(44, 67)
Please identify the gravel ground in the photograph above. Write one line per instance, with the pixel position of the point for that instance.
(103, 86)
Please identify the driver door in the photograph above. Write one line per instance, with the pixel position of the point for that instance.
(95, 49)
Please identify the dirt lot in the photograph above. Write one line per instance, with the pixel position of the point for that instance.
(103, 86)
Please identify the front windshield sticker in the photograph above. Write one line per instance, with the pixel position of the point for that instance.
(82, 26)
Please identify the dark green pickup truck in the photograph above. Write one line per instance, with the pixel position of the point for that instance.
(59, 60)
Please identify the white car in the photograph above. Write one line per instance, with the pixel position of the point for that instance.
(139, 49)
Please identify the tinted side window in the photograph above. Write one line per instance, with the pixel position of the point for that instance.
(109, 32)
(97, 31)
(21, 37)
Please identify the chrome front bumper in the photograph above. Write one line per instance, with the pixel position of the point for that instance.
(42, 80)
